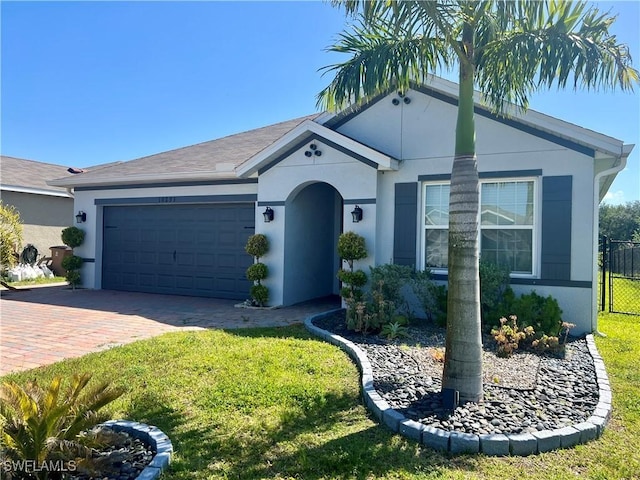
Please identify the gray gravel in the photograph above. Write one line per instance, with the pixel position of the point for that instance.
(524, 393)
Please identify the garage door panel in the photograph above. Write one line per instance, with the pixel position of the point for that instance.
(181, 249)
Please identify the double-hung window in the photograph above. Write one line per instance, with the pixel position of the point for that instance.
(507, 224)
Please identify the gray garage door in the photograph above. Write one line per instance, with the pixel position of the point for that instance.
(195, 250)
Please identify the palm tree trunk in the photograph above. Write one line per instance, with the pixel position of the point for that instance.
(463, 358)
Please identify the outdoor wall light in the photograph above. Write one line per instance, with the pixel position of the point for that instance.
(81, 217)
(356, 214)
(308, 153)
(395, 101)
(318, 153)
(313, 146)
(407, 100)
(268, 215)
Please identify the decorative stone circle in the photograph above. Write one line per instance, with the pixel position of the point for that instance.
(457, 442)
(152, 436)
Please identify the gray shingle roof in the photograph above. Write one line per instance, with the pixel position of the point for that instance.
(29, 174)
(216, 157)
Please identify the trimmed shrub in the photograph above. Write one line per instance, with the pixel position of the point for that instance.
(257, 272)
(257, 245)
(260, 294)
(72, 237)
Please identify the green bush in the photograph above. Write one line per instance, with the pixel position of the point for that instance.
(260, 294)
(432, 297)
(541, 313)
(72, 237)
(257, 272)
(41, 425)
(391, 279)
(72, 262)
(351, 246)
(257, 245)
(494, 281)
(10, 234)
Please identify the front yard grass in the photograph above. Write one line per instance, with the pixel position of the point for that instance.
(279, 403)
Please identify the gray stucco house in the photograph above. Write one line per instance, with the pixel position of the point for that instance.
(177, 222)
(44, 209)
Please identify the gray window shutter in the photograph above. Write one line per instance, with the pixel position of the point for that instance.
(556, 228)
(404, 228)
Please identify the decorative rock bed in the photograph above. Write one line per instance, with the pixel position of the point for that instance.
(575, 394)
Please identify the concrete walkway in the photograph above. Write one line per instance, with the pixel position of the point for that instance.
(48, 324)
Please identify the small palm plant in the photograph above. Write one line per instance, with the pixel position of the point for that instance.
(40, 427)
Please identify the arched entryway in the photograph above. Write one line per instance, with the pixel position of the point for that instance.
(313, 225)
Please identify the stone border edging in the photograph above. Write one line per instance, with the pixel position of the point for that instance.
(151, 435)
(521, 444)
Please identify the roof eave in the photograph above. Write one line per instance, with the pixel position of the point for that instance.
(142, 179)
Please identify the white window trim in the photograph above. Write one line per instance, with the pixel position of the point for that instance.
(537, 222)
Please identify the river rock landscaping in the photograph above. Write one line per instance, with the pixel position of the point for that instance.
(525, 393)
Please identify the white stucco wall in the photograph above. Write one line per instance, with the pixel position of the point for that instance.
(279, 186)
(422, 135)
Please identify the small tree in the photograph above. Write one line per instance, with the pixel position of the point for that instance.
(10, 234)
(72, 237)
(257, 246)
(351, 247)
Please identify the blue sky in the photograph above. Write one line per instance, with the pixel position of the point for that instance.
(85, 83)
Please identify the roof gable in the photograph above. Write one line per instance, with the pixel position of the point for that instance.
(306, 132)
(532, 122)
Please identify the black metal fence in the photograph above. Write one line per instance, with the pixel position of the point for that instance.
(619, 276)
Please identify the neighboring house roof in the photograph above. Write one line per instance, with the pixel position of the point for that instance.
(215, 159)
(29, 176)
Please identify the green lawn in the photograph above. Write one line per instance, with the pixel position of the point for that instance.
(278, 403)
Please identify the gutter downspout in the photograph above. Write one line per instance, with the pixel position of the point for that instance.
(626, 150)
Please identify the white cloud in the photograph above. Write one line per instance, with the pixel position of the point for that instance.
(614, 198)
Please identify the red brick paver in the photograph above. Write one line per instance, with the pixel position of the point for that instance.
(46, 325)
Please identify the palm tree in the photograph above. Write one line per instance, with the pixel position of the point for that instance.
(507, 49)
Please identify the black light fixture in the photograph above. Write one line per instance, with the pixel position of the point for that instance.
(81, 217)
(407, 100)
(356, 214)
(268, 215)
(395, 101)
(313, 146)
(318, 153)
(308, 153)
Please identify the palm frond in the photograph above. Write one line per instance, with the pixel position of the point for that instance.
(383, 55)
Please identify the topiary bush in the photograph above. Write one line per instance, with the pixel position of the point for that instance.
(351, 247)
(257, 246)
(72, 237)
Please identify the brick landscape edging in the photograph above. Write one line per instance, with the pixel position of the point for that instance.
(152, 436)
(457, 442)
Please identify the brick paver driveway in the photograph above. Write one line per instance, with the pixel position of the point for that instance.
(47, 324)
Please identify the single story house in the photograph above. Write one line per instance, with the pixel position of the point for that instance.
(177, 222)
(44, 209)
